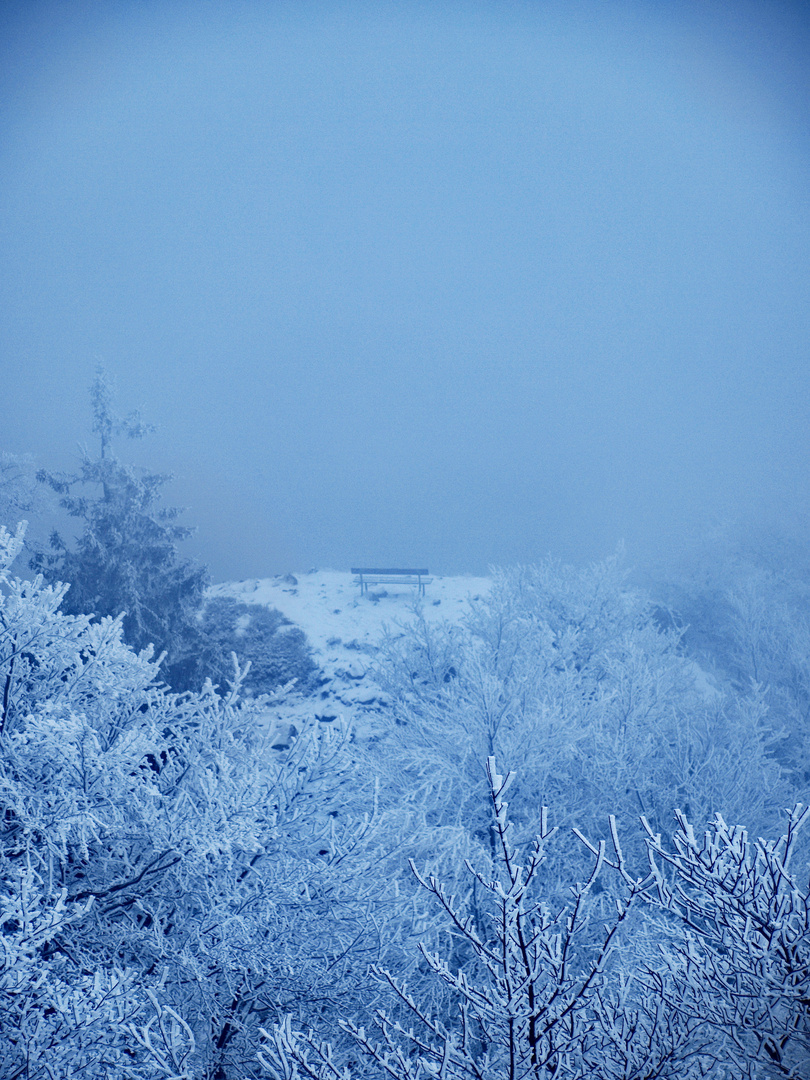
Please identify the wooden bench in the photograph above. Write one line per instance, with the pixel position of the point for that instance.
(365, 576)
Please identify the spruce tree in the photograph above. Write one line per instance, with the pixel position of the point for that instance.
(126, 559)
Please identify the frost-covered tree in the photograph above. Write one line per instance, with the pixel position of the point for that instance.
(126, 558)
(569, 672)
(741, 961)
(701, 971)
(744, 600)
(60, 1011)
(168, 881)
(21, 497)
(538, 998)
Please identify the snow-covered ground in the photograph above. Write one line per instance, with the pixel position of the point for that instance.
(344, 629)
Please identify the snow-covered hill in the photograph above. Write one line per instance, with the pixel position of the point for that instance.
(344, 629)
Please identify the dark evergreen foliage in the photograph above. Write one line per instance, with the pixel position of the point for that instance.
(126, 559)
(277, 650)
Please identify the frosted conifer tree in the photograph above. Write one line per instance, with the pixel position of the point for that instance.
(126, 559)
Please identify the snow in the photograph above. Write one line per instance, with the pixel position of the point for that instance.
(326, 604)
(344, 630)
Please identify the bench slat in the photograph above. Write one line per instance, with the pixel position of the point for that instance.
(386, 570)
(387, 579)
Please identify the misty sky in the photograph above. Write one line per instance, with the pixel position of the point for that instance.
(440, 284)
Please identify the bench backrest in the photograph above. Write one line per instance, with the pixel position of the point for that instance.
(378, 570)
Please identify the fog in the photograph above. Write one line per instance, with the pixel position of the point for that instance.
(423, 284)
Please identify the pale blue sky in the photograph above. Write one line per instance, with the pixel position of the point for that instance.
(448, 284)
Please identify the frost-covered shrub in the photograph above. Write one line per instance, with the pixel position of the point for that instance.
(742, 959)
(540, 996)
(701, 969)
(278, 651)
(568, 672)
(743, 598)
(55, 1020)
(184, 882)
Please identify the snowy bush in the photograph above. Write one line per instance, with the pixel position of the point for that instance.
(701, 971)
(189, 882)
(277, 651)
(568, 672)
(538, 996)
(745, 603)
(742, 961)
